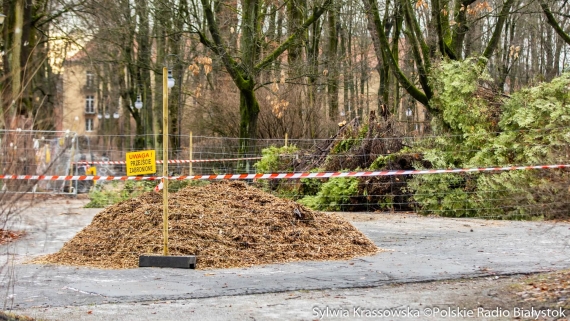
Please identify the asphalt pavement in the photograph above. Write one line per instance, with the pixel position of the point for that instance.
(417, 249)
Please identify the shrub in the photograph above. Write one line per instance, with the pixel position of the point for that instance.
(352, 137)
(276, 159)
(109, 194)
(531, 128)
(334, 195)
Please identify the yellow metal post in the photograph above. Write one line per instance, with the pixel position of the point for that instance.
(165, 159)
(72, 162)
(286, 138)
(191, 155)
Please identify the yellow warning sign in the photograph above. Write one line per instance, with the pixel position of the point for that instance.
(140, 163)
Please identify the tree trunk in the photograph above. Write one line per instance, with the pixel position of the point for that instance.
(12, 102)
(459, 30)
(494, 41)
(249, 110)
(344, 58)
(385, 55)
(313, 71)
(332, 64)
(245, 71)
(143, 117)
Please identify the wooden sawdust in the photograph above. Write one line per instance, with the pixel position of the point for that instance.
(225, 224)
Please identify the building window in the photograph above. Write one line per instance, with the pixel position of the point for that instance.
(89, 124)
(89, 104)
(89, 79)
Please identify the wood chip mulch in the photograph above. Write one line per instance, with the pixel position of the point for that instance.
(225, 224)
(7, 316)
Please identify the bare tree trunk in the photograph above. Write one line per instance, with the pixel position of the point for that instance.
(14, 68)
(250, 65)
(142, 87)
(347, 109)
(332, 63)
(313, 74)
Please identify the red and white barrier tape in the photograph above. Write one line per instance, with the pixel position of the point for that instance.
(172, 161)
(280, 175)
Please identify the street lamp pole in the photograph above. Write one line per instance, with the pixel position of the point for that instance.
(408, 116)
(139, 106)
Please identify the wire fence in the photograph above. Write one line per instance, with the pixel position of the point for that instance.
(210, 155)
(232, 225)
(509, 193)
(38, 153)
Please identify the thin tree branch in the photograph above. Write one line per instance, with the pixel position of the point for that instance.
(492, 45)
(218, 48)
(290, 40)
(552, 21)
(372, 13)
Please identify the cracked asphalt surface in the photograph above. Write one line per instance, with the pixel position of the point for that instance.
(419, 249)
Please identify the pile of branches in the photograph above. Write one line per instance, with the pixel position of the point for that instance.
(358, 146)
(354, 147)
(494, 100)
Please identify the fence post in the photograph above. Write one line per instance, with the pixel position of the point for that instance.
(71, 163)
(165, 160)
(190, 155)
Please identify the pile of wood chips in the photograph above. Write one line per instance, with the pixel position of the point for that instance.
(225, 224)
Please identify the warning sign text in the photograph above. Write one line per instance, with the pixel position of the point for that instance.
(140, 163)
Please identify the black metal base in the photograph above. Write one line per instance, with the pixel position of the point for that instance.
(180, 262)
